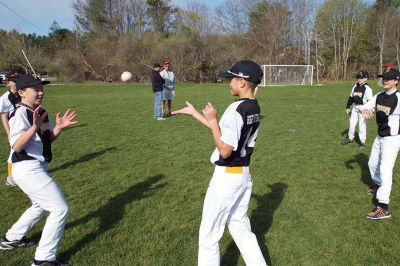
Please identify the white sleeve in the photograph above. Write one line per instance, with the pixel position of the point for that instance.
(231, 127)
(352, 91)
(397, 110)
(162, 74)
(5, 104)
(19, 124)
(368, 93)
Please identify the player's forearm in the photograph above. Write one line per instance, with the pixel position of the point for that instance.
(224, 149)
(24, 139)
(370, 106)
(4, 120)
(199, 117)
(55, 133)
(349, 102)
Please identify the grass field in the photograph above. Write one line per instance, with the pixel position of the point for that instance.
(135, 186)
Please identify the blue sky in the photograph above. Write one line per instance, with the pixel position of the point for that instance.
(36, 16)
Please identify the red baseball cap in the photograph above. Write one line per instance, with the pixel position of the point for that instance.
(389, 65)
(166, 62)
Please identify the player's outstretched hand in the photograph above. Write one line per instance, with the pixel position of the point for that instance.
(367, 114)
(66, 120)
(37, 118)
(209, 112)
(188, 110)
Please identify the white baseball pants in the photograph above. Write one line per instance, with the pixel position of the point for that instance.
(381, 162)
(226, 202)
(362, 125)
(32, 177)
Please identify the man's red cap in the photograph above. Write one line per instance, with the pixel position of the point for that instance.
(166, 62)
(389, 65)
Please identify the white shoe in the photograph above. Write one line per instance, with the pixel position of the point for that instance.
(10, 181)
(160, 118)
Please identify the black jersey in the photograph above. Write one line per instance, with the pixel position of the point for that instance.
(239, 128)
(387, 114)
(360, 94)
(39, 147)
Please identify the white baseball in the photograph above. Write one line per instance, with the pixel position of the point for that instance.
(126, 75)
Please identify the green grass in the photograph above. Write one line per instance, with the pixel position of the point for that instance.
(135, 186)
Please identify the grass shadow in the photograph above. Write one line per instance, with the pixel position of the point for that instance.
(261, 221)
(362, 160)
(111, 213)
(83, 159)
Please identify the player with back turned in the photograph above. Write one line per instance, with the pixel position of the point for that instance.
(228, 195)
(359, 95)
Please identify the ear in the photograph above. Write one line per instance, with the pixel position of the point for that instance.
(20, 92)
(243, 83)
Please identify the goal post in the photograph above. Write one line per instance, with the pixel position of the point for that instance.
(287, 75)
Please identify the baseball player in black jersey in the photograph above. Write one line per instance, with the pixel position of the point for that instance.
(386, 145)
(31, 135)
(359, 95)
(229, 191)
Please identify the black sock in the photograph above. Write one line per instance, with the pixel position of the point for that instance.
(383, 206)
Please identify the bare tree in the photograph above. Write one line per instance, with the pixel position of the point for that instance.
(303, 18)
(232, 16)
(197, 17)
(337, 21)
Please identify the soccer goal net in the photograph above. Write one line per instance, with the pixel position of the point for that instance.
(287, 74)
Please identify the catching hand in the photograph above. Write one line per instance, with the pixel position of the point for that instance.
(348, 111)
(37, 118)
(367, 114)
(188, 110)
(210, 113)
(66, 120)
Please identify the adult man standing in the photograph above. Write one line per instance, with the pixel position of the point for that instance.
(157, 83)
(168, 90)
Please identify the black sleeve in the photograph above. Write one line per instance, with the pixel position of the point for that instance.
(349, 102)
(160, 80)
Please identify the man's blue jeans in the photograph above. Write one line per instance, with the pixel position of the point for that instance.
(157, 104)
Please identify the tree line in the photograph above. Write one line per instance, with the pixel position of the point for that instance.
(338, 37)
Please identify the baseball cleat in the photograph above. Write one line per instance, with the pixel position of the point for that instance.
(10, 181)
(361, 145)
(49, 263)
(5, 244)
(347, 141)
(378, 213)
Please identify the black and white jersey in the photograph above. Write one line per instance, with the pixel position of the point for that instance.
(360, 94)
(9, 102)
(39, 147)
(387, 108)
(239, 128)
